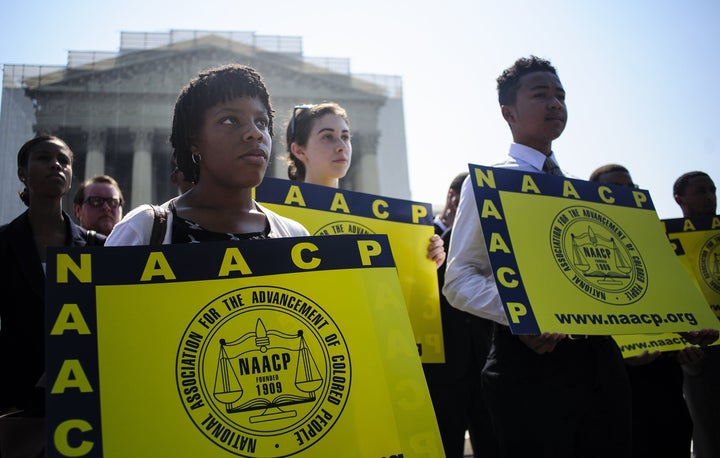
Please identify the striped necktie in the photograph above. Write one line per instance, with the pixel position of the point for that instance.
(551, 168)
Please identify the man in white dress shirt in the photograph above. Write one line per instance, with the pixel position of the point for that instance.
(549, 395)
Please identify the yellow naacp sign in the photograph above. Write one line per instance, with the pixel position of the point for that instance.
(408, 225)
(696, 242)
(263, 348)
(578, 257)
(636, 344)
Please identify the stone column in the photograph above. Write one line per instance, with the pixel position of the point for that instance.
(141, 191)
(367, 174)
(95, 159)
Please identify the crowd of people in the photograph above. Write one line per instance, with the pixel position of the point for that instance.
(550, 395)
(558, 395)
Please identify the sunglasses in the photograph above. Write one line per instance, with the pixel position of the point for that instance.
(97, 201)
(296, 108)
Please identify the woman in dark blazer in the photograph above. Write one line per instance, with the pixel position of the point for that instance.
(45, 169)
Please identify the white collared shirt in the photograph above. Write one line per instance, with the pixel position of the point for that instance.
(469, 280)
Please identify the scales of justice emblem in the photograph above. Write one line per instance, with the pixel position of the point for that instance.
(263, 371)
(252, 353)
(597, 256)
(709, 262)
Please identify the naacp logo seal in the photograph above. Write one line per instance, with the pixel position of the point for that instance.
(597, 256)
(709, 262)
(343, 228)
(263, 372)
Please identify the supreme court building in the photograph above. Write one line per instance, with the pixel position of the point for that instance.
(114, 109)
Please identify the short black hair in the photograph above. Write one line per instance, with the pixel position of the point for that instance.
(23, 156)
(682, 182)
(508, 82)
(608, 168)
(207, 89)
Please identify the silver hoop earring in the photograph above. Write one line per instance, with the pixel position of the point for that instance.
(196, 158)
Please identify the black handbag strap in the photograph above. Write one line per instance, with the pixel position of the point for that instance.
(159, 225)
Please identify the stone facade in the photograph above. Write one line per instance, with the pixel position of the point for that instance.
(115, 110)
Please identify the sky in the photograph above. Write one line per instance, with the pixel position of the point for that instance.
(642, 77)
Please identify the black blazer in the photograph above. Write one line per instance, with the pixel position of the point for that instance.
(22, 307)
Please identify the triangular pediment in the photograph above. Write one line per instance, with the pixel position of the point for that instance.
(166, 69)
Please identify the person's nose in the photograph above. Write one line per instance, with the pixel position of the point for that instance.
(106, 207)
(342, 146)
(253, 133)
(556, 103)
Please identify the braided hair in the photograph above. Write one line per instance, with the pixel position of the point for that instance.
(207, 89)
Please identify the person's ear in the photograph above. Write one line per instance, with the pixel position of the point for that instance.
(298, 151)
(508, 113)
(21, 175)
(680, 200)
(76, 210)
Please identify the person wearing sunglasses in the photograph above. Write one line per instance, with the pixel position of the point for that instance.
(319, 144)
(98, 204)
(319, 147)
(659, 409)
